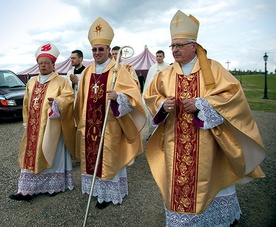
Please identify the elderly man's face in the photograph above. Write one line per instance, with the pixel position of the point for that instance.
(45, 65)
(183, 51)
(100, 53)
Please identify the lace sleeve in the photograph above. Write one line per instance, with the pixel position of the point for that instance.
(208, 114)
(124, 105)
(55, 111)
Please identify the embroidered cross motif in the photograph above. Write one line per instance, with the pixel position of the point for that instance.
(177, 20)
(35, 100)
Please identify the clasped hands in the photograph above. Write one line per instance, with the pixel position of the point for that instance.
(188, 104)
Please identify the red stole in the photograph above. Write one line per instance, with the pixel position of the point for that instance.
(36, 103)
(186, 152)
(95, 118)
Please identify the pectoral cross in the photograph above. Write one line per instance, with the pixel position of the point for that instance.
(95, 87)
(35, 100)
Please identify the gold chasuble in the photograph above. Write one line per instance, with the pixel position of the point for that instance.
(189, 164)
(122, 139)
(35, 117)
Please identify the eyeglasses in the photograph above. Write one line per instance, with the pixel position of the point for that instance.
(43, 63)
(179, 45)
(100, 49)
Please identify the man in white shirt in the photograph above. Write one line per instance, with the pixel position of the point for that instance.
(154, 69)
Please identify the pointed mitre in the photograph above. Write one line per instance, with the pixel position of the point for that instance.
(100, 32)
(183, 26)
(47, 50)
(186, 27)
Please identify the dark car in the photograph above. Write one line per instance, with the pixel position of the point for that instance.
(12, 91)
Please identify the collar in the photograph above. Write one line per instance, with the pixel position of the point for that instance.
(43, 78)
(101, 67)
(187, 68)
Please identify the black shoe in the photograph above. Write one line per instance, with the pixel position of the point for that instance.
(20, 197)
(234, 223)
(53, 194)
(102, 205)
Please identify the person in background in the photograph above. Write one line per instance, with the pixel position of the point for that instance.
(131, 70)
(126, 117)
(206, 139)
(129, 67)
(141, 79)
(154, 69)
(74, 75)
(48, 141)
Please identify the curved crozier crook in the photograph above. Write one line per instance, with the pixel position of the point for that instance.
(127, 54)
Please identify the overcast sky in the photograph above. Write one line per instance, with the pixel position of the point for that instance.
(238, 31)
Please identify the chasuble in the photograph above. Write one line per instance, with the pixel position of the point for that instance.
(35, 118)
(189, 164)
(122, 137)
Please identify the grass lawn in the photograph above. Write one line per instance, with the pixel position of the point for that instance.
(253, 86)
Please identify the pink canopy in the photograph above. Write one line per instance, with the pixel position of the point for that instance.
(141, 64)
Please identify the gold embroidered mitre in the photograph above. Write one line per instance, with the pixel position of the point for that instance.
(186, 27)
(100, 32)
(183, 26)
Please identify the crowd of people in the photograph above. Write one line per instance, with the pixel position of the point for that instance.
(203, 138)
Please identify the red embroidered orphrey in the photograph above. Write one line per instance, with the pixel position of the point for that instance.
(186, 154)
(34, 123)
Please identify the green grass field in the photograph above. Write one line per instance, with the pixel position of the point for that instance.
(253, 86)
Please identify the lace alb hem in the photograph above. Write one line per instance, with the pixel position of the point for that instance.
(221, 212)
(106, 190)
(30, 183)
(208, 114)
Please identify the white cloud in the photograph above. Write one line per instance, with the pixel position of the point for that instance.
(238, 31)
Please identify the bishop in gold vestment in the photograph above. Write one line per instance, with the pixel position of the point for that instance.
(206, 141)
(48, 141)
(122, 140)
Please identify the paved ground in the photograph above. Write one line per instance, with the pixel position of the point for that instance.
(142, 207)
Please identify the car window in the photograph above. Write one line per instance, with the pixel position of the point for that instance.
(9, 79)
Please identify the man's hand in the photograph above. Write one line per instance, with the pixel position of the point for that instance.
(74, 79)
(50, 101)
(189, 105)
(169, 103)
(112, 95)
